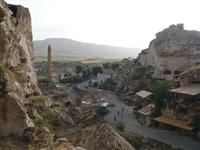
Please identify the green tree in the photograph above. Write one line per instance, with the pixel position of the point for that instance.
(78, 69)
(120, 126)
(109, 84)
(86, 73)
(106, 65)
(114, 66)
(161, 96)
(195, 122)
(102, 111)
(96, 70)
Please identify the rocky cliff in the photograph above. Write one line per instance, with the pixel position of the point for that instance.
(98, 137)
(23, 110)
(173, 51)
(17, 77)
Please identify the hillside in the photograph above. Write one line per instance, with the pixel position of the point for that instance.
(172, 52)
(67, 47)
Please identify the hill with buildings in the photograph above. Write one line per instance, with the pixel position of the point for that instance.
(173, 51)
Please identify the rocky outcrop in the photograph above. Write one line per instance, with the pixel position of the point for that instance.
(17, 77)
(63, 144)
(103, 137)
(97, 137)
(173, 51)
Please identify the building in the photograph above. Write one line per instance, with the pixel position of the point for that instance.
(101, 78)
(185, 103)
(49, 63)
(143, 98)
(144, 115)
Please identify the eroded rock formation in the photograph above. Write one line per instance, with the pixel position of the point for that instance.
(17, 77)
(173, 51)
(98, 137)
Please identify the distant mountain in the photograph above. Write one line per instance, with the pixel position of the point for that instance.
(68, 47)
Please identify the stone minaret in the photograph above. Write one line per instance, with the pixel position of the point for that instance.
(49, 63)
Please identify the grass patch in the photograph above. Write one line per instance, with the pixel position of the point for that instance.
(84, 60)
(38, 98)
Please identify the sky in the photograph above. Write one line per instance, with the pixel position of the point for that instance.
(124, 23)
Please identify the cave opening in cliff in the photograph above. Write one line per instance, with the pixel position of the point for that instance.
(13, 8)
(167, 72)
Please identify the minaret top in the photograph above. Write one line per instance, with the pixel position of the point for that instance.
(49, 46)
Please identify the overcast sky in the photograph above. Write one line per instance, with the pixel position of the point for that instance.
(127, 23)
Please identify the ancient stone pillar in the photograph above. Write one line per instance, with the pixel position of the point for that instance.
(49, 63)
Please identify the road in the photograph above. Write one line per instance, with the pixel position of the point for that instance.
(131, 124)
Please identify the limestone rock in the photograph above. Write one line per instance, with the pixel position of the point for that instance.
(63, 144)
(17, 77)
(173, 51)
(99, 137)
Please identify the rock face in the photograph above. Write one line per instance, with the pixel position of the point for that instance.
(103, 137)
(17, 78)
(173, 51)
(98, 137)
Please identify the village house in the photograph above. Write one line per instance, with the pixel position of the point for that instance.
(143, 98)
(185, 103)
(144, 115)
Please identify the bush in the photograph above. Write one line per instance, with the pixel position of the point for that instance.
(39, 122)
(78, 69)
(195, 122)
(44, 81)
(120, 126)
(86, 73)
(48, 119)
(106, 65)
(96, 70)
(161, 96)
(102, 111)
(109, 84)
(37, 98)
(72, 79)
(114, 66)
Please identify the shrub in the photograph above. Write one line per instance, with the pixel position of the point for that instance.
(86, 73)
(161, 96)
(96, 70)
(78, 69)
(102, 111)
(109, 84)
(72, 79)
(39, 122)
(48, 119)
(37, 98)
(44, 81)
(195, 122)
(120, 126)
(106, 65)
(114, 66)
